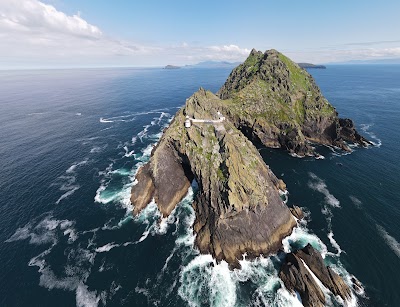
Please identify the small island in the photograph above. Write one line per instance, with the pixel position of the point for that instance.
(268, 100)
(172, 67)
(309, 65)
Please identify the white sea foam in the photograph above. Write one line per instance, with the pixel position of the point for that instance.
(44, 232)
(86, 298)
(300, 237)
(295, 155)
(317, 184)
(97, 149)
(72, 168)
(70, 190)
(78, 114)
(67, 182)
(204, 279)
(334, 244)
(77, 268)
(390, 241)
(102, 120)
(356, 201)
(127, 152)
(366, 128)
(107, 247)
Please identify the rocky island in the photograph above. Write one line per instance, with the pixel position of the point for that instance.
(309, 65)
(172, 67)
(268, 100)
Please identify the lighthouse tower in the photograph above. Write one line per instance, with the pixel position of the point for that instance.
(188, 123)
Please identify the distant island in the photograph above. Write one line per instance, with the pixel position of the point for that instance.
(213, 64)
(172, 67)
(309, 65)
(206, 64)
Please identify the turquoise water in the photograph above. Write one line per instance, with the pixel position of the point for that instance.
(72, 141)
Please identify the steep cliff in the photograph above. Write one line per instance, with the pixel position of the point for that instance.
(268, 99)
(238, 207)
(277, 103)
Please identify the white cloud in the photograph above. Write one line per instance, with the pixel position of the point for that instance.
(231, 49)
(327, 55)
(34, 34)
(31, 16)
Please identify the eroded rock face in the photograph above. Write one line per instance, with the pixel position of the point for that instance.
(277, 103)
(297, 212)
(238, 207)
(297, 278)
(269, 100)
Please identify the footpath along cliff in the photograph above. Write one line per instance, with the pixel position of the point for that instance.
(266, 100)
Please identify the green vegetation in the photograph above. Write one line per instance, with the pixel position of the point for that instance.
(221, 176)
(296, 74)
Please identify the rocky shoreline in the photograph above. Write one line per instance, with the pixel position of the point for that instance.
(267, 100)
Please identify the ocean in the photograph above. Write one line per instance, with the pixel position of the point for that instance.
(72, 141)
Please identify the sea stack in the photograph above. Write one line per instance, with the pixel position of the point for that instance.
(266, 100)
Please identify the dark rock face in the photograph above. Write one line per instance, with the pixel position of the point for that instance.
(163, 179)
(270, 100)
(238, 207)
(296, 279)
(275, 102)
(297, 212)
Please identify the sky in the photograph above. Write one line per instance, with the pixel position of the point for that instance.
(122, 33)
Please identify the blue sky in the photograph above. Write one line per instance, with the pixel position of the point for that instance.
(92, 33)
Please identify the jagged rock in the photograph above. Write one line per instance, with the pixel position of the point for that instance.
(297, 212)
(296, 277)
(357, 286)
(268, 99)
(238, 207)
(275, 102)
(313, 259)
(325, 274)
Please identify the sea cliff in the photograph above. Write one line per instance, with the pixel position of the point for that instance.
(268, 100)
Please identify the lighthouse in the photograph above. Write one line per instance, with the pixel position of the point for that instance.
(188, 123)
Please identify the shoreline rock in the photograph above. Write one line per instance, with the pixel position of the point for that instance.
(266, 100)
(296, 277)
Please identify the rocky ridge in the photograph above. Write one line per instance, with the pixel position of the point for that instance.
(296, 275)
(238, 206)
(266, 100)
(277, 103)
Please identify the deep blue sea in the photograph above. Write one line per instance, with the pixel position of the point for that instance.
(72, 140)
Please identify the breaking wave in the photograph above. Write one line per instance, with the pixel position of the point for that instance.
(376, 141)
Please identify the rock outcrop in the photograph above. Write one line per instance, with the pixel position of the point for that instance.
(297, 277)
(297, 212)
(268, 99)
(277, 103)
(238, 206)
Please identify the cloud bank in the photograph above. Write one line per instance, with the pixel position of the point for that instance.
(35, 34)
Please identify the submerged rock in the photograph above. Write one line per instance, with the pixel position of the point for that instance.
(268, 99)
